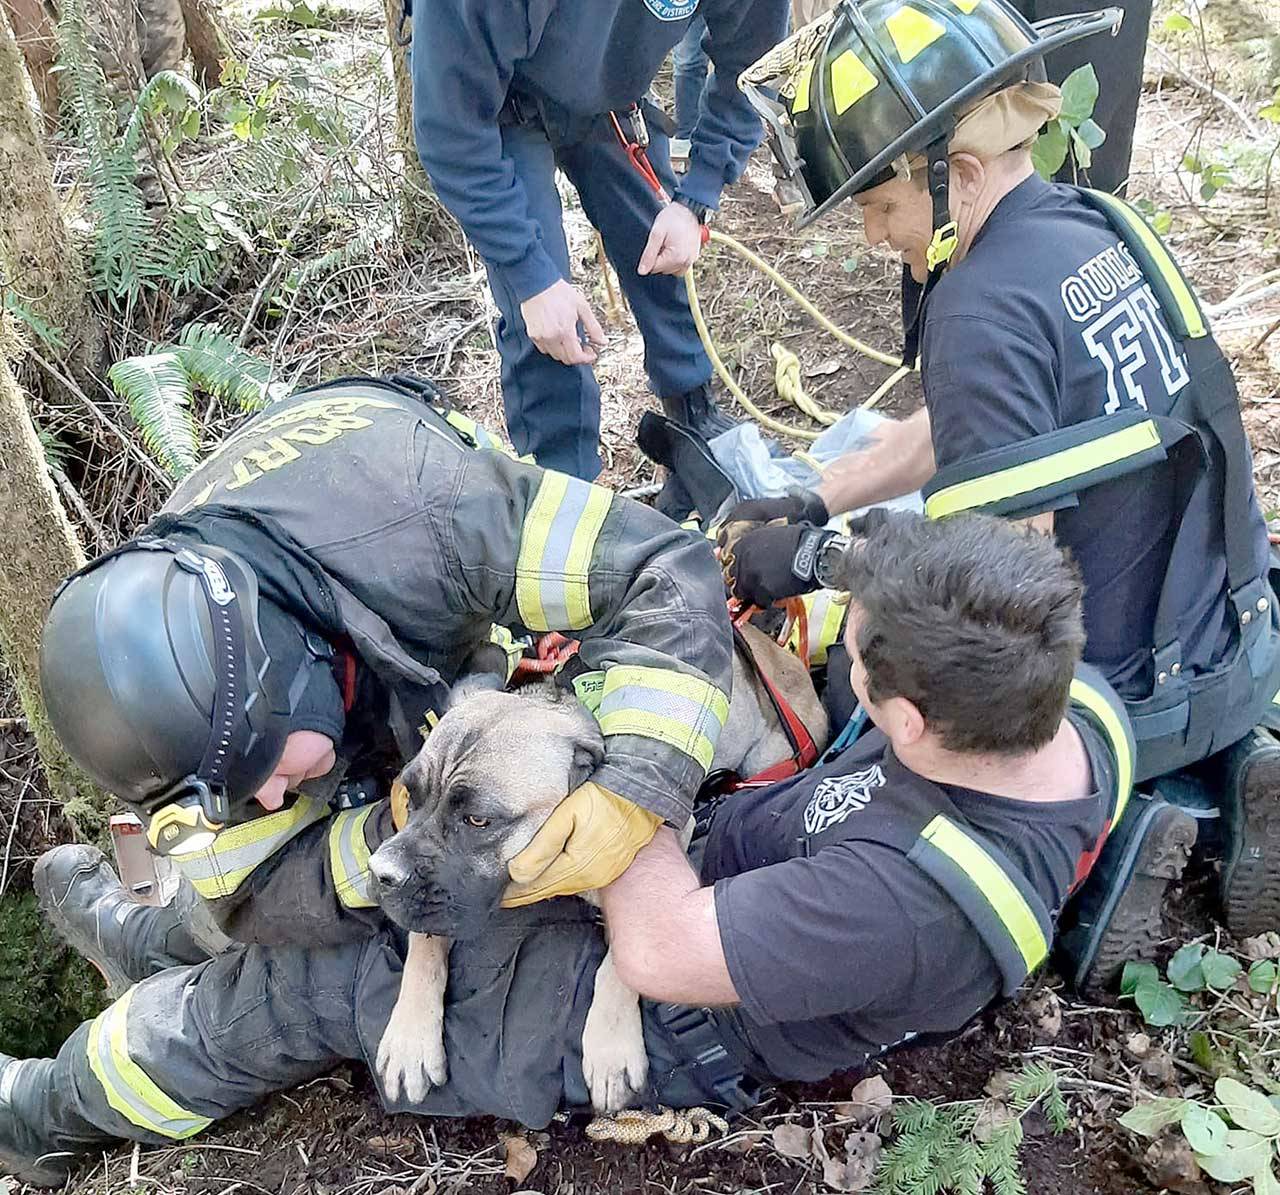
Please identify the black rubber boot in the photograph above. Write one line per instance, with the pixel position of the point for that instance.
(84, 902)
(695, 480)
(22, 1153)
(1117, 915)
(699, 411)
(1251, 834)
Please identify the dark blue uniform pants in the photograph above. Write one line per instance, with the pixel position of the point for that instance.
(553, 410)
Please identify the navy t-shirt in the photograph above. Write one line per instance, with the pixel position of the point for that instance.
(840, 948)
(1048, 322)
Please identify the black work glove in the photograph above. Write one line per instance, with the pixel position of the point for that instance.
(796, 506)
(776, 562)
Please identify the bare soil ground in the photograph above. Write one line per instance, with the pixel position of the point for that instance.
(406, 313)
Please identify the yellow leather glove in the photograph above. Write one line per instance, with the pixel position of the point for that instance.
(399, 805)
(588, 841)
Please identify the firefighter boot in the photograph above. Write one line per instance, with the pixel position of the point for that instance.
(1117, 914)
(1250, 787)
(698, 411)
(88, 907)
(24, 1154)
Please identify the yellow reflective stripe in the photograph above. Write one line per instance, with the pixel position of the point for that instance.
(965, 6)
(1048, 470)
(556, 543)
(349, 858)
(912, 31)
(1164, 263)
(128, 1088)
(803, 82)
(826, 609)
(504, 639)
(221, 868)
(1004, 898)
(683, 711)
(1103, 710)
(850, 81)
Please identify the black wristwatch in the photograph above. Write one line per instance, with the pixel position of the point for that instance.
(701, 212)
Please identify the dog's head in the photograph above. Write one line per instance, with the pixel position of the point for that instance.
(486, 779)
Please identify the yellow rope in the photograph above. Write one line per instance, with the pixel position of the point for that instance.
(787, 370)
(634, 1126)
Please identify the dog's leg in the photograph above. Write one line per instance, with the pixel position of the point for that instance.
(614, 1062)
(411, 1056)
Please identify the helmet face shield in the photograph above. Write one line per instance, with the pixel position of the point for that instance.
(879, 79)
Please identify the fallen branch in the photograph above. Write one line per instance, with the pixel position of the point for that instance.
(1207, 89)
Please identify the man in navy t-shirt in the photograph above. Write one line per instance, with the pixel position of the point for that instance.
(1068, 380)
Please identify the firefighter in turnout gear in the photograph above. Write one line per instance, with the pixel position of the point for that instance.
(1070, 379)
(940, 845)
(290, 624)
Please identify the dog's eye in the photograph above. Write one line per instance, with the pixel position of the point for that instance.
(478, 823)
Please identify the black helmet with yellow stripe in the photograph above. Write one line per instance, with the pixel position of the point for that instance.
(875, 81)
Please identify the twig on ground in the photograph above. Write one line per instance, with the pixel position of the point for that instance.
(1207, 89)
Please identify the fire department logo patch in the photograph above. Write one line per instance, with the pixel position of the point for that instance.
(838, 796)
(671, 10)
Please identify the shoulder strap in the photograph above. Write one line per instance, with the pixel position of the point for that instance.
(999, 902)
(1026, 478)
(1212, 405)
(1098, 701)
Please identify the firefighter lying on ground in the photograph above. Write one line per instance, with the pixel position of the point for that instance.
(318, 583)
(886, 895)
(1069, 378)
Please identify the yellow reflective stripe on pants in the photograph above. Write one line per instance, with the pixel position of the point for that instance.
(1164, 263)
(826, 610)
(683, 711)
(1001, 894)
(221, 868)
(1046, 471)
(556, 543)
(128, 1088)
(1121, 742)
(349, 858)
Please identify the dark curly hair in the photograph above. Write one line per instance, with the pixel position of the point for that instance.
(975, 620)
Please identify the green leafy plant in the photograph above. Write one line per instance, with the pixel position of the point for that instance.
(159, 388)
(960, 1147)
(1234, 1139)
(1213, 175)
(1074, 130)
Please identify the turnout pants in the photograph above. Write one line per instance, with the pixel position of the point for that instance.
(553, 410)
(193, 1044)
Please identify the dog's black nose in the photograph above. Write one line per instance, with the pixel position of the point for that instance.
(389, 871)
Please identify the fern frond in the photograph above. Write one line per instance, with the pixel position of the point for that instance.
(357, 249)
(165, 91)
(158, 393)
(31, 319)
(218, 365)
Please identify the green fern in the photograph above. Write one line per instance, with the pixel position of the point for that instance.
(218, 366)
(157, 390)
(31, 319)
(166, 92)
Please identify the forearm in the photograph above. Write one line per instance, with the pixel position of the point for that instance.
(898, 460)
(663, 931)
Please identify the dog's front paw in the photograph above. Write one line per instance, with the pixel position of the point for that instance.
(614, 1062)
(411, 1059)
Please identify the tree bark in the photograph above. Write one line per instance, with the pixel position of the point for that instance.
(207, 40)
(38, 547)
(38, 259)
(421, 213)
(33, 30)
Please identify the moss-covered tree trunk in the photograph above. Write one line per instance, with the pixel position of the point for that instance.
(421, 212)
(38, 259)
(38, 547)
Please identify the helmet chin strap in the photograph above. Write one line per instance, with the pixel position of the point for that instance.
(942, 245)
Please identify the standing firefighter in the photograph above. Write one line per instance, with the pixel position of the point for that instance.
(1070, 379)
(506, 94)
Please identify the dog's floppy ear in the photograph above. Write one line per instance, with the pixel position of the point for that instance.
(485, 671)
